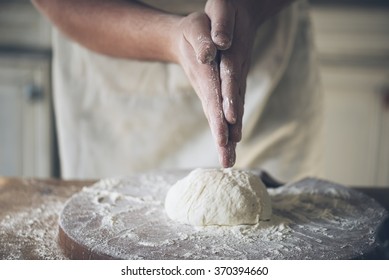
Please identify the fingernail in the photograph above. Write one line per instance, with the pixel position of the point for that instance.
(222, 40)
(228, 159)
(228, 110)
(232, 153)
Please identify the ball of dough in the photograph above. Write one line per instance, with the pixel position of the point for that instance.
(218, 197)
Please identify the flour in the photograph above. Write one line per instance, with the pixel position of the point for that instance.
(32, 232)
(207, 51)
(311, 220)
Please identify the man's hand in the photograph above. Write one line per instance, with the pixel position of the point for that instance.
(233, 27)
(215, 50)
(197, 54)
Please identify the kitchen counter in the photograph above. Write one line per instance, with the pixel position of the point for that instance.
(29, 210)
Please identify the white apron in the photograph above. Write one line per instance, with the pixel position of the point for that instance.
(117, 116)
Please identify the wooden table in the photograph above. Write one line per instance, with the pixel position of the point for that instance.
(29, 210)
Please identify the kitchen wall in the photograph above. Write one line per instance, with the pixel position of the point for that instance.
(352, 40)
(353, 50)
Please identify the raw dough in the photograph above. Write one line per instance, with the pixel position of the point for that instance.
(218, 197)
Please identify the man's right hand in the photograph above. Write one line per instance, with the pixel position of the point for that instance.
(197, 54)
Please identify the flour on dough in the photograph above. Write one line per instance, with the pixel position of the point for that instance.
(218, 197)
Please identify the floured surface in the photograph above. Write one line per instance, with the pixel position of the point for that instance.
(29, 212)
(31, 233)
(124, 218)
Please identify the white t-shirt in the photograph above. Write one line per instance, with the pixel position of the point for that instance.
(119, 116)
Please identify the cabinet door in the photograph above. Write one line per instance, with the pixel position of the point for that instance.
(353, 51)
(25, 117)
(356, 125)
(11, 123)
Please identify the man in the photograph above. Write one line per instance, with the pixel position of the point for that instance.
(126, 75)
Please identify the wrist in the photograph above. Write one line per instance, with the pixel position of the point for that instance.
(168, 43)
(157, 38)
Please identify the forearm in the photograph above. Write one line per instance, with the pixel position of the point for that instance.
(117, 28)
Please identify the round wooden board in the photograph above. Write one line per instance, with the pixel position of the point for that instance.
(124, 218)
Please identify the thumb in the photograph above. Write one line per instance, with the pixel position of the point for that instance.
(222, 16)
(197, 31)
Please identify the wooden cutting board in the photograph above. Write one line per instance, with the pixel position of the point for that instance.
(124, 218)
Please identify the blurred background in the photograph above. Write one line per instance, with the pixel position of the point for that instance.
(352, 41)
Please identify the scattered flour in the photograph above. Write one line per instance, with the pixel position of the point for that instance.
(124, 218)
(32, 232)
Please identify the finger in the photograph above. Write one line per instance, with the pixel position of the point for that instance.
(198, 34)
(212, 104)
(230, 82)
(227, 155)
(222, 16)
(235, 130)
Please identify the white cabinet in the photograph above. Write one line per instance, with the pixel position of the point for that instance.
(25, 116)
(353, 50)
(356, 125)
(26, 119)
